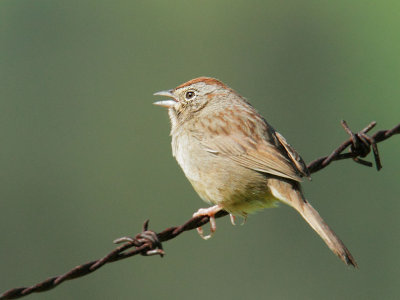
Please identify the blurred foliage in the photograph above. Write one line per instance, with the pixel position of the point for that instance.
(85, 157)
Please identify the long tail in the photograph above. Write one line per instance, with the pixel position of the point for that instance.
(290, 193)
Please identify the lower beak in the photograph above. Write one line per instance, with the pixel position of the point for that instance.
(165, 103)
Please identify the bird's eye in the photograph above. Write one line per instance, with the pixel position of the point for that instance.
(189, 95)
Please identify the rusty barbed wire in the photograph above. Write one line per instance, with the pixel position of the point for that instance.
(360, 146)
(149, 243)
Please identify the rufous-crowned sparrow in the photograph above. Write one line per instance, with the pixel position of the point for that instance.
(234, 159)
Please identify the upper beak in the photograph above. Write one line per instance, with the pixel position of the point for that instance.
(165, 103)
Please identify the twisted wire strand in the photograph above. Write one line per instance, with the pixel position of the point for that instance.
(149, 243)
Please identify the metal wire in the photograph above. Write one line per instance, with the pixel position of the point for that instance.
(149, 243)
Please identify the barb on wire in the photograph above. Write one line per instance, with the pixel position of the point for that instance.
(150, 243)
(360, 146)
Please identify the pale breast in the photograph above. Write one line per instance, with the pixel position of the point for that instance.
(185, 149)
(219, 180)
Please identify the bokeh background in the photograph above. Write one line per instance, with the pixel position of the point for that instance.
(85, 157)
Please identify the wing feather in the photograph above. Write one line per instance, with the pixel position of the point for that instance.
(259, 148)
(262, 157)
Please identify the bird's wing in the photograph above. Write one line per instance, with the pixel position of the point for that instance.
(293, 156)
(265, 151)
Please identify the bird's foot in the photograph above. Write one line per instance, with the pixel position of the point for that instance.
(233, 219)
(209, 212)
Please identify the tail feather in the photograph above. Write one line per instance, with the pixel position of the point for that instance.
(290, 194)
(326, 233)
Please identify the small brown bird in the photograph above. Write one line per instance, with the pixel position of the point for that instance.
(234, 159)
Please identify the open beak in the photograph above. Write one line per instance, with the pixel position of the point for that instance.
(165, 103)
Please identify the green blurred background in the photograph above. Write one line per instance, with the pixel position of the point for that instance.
(85, 157)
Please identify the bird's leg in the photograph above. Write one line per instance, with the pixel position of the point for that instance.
(209, 212)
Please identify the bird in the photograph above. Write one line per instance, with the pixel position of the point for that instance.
(235, 160)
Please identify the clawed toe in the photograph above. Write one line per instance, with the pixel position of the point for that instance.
(233, 219)
(213, 228)
(209, 212)
(244, 220)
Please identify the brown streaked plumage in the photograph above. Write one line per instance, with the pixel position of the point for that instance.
(234, 159)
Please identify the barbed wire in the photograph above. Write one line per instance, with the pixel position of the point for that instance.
(149, 243)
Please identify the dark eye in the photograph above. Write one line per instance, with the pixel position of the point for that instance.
(189, 95)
